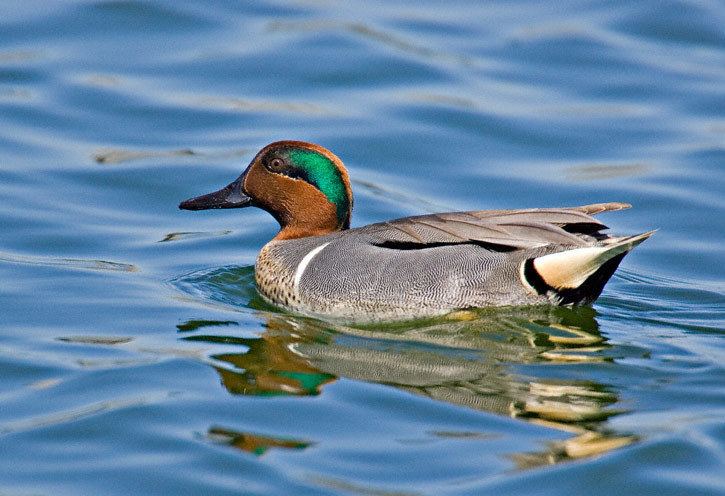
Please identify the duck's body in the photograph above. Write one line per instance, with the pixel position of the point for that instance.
(415, 266)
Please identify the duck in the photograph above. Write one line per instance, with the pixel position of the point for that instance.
(413, 267)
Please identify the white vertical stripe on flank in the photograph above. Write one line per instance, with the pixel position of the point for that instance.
(303, 265)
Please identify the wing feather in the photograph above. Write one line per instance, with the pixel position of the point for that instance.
(511, 229)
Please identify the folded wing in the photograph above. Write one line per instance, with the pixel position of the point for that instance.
(502, 230)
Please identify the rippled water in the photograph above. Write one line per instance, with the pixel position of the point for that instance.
(136, 356)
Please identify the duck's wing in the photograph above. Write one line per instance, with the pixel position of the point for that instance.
(497, 229)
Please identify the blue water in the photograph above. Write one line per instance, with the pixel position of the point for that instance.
(136, 356)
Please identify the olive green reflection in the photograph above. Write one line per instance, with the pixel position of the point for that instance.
(486, 360)
(253, 443)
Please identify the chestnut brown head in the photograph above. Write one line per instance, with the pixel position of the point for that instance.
(303, 185)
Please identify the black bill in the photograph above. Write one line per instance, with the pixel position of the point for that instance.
(231, 196)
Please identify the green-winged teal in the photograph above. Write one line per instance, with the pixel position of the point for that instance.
(415, 266)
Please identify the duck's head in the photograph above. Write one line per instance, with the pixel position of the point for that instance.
(303, 185)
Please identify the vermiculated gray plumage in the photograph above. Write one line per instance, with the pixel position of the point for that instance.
(431, 264)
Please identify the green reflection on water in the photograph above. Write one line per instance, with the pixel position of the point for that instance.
(253, 443)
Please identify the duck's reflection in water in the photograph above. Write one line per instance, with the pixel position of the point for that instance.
(253, 443)
(487, 360)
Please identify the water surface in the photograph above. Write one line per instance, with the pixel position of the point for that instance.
(137, 357)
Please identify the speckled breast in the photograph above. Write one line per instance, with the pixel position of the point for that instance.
(274, 275)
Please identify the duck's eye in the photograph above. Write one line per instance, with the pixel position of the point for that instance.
(276, 164)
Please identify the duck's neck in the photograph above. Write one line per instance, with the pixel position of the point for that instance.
(296, 232)
(310, 219)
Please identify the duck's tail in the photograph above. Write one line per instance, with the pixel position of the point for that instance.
(579, 275)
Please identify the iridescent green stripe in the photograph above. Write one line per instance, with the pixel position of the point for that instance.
(323, 173)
